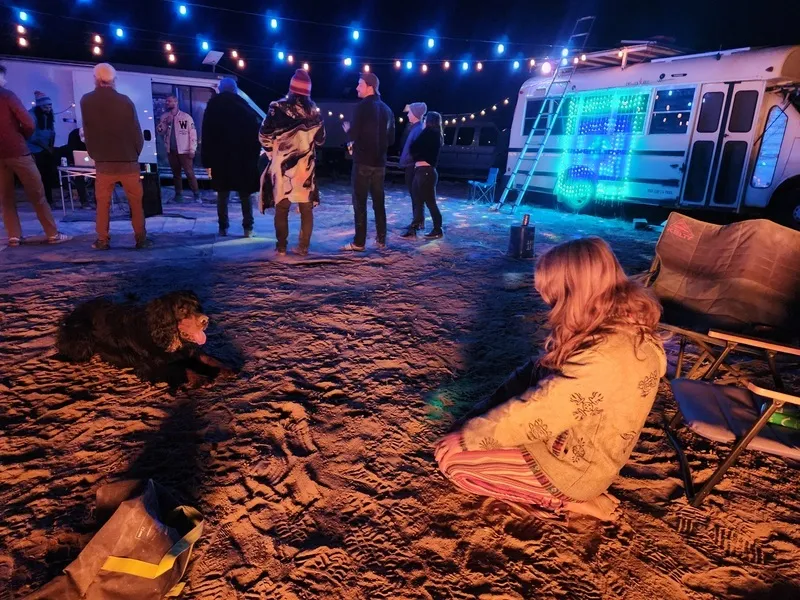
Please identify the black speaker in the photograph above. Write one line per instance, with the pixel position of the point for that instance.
(152, 194)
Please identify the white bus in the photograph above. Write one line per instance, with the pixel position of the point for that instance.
(718, 131)
(148, 87)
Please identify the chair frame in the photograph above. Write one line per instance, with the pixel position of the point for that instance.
(480, 191)
(778, 399)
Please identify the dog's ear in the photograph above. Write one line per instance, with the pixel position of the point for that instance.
(162, 322)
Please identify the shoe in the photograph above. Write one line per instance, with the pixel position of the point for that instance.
(144, 244)
(177, 198)
(434, 234)
(411, 232)
(223, 231)
(417, 226)
(101, 245)
(353, 248)
(280, 250)
(14, 241)
(198, 198)
(248, 233)
(59, 238)
(300, 250)
(381, 244)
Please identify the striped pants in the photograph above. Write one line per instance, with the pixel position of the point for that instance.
(503, 473)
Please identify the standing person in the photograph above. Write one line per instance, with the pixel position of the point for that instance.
(42, 142)
(114, 141)
(290, 133)
(16, 124)
(180, 139)
(75, 142)
(425, 153)
(557, 433)
(371, 134)
(416, 114)
(230, 151)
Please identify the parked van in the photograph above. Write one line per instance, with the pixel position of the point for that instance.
(718, 130)
(148, 87)
(471, 148)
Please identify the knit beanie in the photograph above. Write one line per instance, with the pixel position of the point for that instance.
(301, 83)
(227, 84)
(42, 99)
(418, 109)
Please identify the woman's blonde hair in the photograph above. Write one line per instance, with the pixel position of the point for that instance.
(589, 296)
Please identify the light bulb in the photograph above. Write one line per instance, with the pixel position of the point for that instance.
(366, 68)
(479, 66)
(241, 63)
(234, 54)
(447, 64)
(424, 68)
(171, 58)
(96, 51)
(168, 47)
(290, 59)
(397, 64)
(23, 42)
(306, 66)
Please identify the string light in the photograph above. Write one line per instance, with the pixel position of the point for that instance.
(281, 55)
(290, 59)
(532, 63)
(23, 16)
(98, 39)
(341, 116)
(397, 64)
(366, 68)
(20, 29)
(330, 113)
(204, 46)
(565, 52)
(516, 65)
(348, 61)
(171, 58)
(409, 65)
(479, 66)
(501, 48)
(446, 65)
(273, 23)
(431, 42)
(97, 51)
(583, 58)
(619, 54)
(306, 67)
(119, 32)
(483, 113)
(400, 119)
(465, 66)
(168, 47)
(546, 68)
(576, 60)
(356, 34)
(23, 42)
(424, 68)
(505, 101)
(241, 63)
(472, 116)
(494, 107)
(463, 119)
(234, 54)
(182, 10)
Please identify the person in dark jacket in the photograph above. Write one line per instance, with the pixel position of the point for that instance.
(17, 124)
(230, 151)
(370, 134)
(290, 134)
(75, 142)
(425, 152)
(42, 142)
(416, 117)
(114, 140)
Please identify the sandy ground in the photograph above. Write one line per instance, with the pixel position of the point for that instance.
(314, 468)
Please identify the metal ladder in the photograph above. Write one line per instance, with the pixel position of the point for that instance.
(552, 103)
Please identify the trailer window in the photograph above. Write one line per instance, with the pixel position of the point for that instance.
(465, 136)
(710, 111)
(488, 136)
(743, 111)
(672, 111)
(449, 135)
(771, 143)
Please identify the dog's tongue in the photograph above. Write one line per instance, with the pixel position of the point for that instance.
(199, 337)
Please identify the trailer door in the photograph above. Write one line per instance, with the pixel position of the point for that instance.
(137, 86)
(721, 144)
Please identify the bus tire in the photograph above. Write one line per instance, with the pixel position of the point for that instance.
(784, 206)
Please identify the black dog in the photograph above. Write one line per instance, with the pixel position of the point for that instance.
(159, 340)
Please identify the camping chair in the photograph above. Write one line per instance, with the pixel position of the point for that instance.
(727, 288)
(483, 191)
(728, 415)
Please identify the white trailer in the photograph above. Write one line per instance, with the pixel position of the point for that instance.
(148, 87)
(718, 131)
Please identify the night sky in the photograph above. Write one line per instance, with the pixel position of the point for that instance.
(529, 28)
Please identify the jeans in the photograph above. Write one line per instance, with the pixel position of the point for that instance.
(417, 206)
(46, 163)
(368, 181)
(104, 188)
(185, 162)
(282, 223)
(425, 179)
(222, 209)
(24, 167)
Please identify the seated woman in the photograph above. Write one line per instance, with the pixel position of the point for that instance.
(558, 432)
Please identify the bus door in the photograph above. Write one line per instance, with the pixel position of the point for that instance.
(721, 144)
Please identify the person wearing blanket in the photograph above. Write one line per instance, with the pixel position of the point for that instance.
(559, 430)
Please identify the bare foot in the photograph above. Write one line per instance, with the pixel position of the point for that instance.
(603, 507)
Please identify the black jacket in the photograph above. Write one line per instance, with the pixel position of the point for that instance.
(427, 146)
(372, 132)
(229, 145)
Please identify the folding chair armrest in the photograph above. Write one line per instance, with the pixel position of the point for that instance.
(747, 340)
(778, 396)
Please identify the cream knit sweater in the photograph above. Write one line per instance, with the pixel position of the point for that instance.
(581, 424)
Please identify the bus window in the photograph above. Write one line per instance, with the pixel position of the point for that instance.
(532, 109)
(770, 148)
(561, 126)
(743, 111)
(449, 135)
(488, 136)
(710, 111)
(465, 136)
(672, 111)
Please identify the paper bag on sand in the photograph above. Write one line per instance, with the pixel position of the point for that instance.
(141, 553)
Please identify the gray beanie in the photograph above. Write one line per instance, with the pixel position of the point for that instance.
(418, 109)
